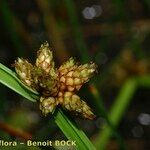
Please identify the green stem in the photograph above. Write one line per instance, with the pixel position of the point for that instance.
(104, 114)
(71, 131)
(117, 111)
(143, 81)
(77, 30)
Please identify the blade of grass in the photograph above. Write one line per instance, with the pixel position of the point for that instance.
(76, 30)
(120, 10)
(143, 81)
(72, 132)
(104, 114)
(69, 128)
(147, 3)
(118, 109)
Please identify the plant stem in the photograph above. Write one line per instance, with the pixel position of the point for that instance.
(117, 111)
(76, 30)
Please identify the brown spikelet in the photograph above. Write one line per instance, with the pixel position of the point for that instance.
(72, 76)
(72, 102)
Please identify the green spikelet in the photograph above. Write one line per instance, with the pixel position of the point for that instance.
(24, 70)
(45, 60)
(47, 105)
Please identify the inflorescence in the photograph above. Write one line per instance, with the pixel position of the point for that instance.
(56, 86)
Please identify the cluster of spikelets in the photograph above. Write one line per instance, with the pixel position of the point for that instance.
(56, 86)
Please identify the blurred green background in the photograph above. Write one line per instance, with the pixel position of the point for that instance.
(113, 34)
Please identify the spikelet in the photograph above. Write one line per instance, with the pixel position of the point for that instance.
(73, 103)
(44, 73)
(45, 60)
(47, 105)
(24, 70)
(67, 66)
(72, 76)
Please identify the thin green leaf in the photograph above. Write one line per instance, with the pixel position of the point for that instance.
(143, 81)
(69, 128)
(82, 48)
(120, 106)
(71, 131)
(118, 109)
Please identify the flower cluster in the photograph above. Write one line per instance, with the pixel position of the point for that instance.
(56, 86)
